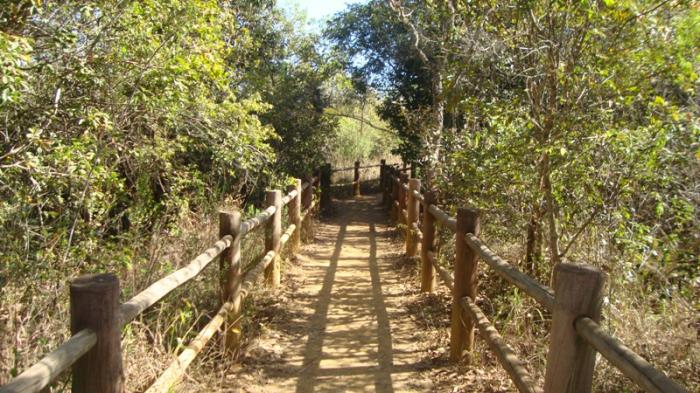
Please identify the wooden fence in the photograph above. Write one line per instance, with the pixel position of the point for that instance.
(575, 303)
(94, 349)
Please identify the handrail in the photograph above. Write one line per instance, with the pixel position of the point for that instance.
(627, 361)
(42, 373)
(508, 359)
(352, 167)
(444, 274)
(161, 288)
(539, 292)
(38, 376)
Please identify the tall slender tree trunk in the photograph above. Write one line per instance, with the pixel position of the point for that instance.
(434, 136)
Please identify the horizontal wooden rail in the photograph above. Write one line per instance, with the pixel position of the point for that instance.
(353, 168)
(443, 218)
(514, 367)
(177, 368)
(627, 361)
(537, 291)
(566, 355)
(159, 289)
(442, 272)
(41, 374)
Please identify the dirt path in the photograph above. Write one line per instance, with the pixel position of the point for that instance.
(345, 328)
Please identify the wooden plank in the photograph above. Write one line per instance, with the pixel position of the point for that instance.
(42, 373)
(515, 368)
(624, 359)
(159, 289)
(539, 292)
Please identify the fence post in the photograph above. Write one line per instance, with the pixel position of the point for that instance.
(273, 231)
(402, 197)
(570, 361)
(382, 179)
(427, 283)
(294, 215)
(306, 200)
(413, 169)
(413, 209)
(94, 304)
(356, 181)
(230, 268)
(325, 187)
(462, 336)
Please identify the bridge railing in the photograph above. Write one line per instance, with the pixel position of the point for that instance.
(575, 302)
(94, 349)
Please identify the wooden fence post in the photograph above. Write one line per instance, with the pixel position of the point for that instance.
(325, 187)
(94, 304)
(273, 232)
(462, 336)
(294, 215)
(356, 181)
(570, 360)
(402, 197)
(382, 179)
(230, 268)
(413, 209)
(306, 200)
(413, 169)
(428, 281)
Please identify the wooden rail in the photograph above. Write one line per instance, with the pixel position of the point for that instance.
(94, 349)
(575, 303)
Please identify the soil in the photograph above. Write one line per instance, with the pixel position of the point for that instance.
(350, 319)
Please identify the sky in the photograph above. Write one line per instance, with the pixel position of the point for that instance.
(317, 10)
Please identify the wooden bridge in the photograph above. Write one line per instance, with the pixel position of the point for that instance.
(352, 340)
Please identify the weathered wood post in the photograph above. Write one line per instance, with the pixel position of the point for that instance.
(403, 178)
(428, 281)
(382, 179)
(570, 360)
(413, 209)
(389, 202)
(395, 186)
(306, 200)
(413, 169)
(294, 215)
(325, 187)
(356, 181)
(231, 277)
(94, 304)
(462, 336)
(273, 232)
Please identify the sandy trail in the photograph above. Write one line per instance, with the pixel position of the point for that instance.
(345, 328)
